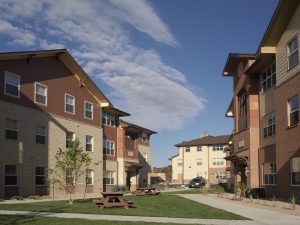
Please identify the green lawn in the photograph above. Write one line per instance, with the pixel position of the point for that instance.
(165, 205)
(29, 220)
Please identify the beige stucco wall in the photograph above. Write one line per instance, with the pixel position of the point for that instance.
(190, 169)
(27, 155)
(145, 171)
(290, 32)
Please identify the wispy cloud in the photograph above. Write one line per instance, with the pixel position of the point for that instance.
(157, 95)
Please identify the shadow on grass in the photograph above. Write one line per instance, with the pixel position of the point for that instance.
(16, 220)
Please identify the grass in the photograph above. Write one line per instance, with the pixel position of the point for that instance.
(30, 220)
(192, 191)
(165, 205)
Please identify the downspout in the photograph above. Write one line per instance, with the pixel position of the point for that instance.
(183, 149)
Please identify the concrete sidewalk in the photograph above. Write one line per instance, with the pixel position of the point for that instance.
(130, 218)
(259, 215)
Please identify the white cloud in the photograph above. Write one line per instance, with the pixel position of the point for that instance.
(156, 94)
(19, 36)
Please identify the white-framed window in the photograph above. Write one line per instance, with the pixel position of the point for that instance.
(295, 171)
(218, 147)
(89, 177)
(199, 148)
(293, 110)
(199, 162)
(89, 143)
(187, 149)
(108, 119)
(218, 161)
(40, 93)
(88, 110)
(109, 177)
(12, 84)
(145, 138)
(40, 176)
(11, 129)
(70, 136)
(69, 104)
(269, 125)
(268, 77)
(220, 175)
(269, 170)
(11, 175)
(292, 53)
(179, 162)
(108, 147)
(40, 135)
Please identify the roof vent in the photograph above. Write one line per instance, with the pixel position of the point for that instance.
(204, 134)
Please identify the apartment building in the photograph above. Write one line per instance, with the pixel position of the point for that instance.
(200, 157)
(244, 109)
(126, 149)
(276, 71)
(46, 100)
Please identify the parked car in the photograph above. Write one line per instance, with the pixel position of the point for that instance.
(197, 182)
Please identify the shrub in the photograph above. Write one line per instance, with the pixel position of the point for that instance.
(293, 202)
(220, 190)
(17, 197)
(35, 197)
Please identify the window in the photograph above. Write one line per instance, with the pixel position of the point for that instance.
(40, 178)
(292, 53)
(130, 153)
(40, 94)
(69, 138)
(89, 177)
(218, 161)
(218, 147)
(145, 138)
(220, 175)
(268, 77)
(109, 177)
(199, 162)
(12, 84)
(179, 162)
(187, 149)
(293, 109)
(242, 103)
(108, 119)
(108, 147)
(88, 143)
(40, 135)
(269, 170)
(295, 171)
(88, 110)
(11, 129)
(199, 148)
(11, 175)
(269, 125)
(69, 104)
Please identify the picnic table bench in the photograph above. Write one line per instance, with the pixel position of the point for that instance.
(146, 191)
(113, 199)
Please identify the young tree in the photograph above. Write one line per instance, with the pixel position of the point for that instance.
(71, 163)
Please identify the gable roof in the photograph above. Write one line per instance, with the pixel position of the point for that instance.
(280, 19)
(174, 156)
(232, 62)
(207, 140)
(65, 57)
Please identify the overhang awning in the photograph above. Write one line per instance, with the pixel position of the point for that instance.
(237, 159)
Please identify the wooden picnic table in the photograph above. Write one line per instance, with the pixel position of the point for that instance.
(113, 199)
(146, 191)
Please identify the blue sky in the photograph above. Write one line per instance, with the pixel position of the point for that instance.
(159, 60)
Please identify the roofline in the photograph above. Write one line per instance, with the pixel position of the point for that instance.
(182, 144)
(138, 127)
(59, 52)
(173, 157)
(236, 55)
(228, 109)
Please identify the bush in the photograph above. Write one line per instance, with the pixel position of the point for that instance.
(17, 197)
(1, 200)
(35, 197)
(220, 190)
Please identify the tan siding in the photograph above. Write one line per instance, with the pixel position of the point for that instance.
(291, 31)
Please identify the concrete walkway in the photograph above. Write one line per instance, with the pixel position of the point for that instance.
(130, 218)
(259, 215)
